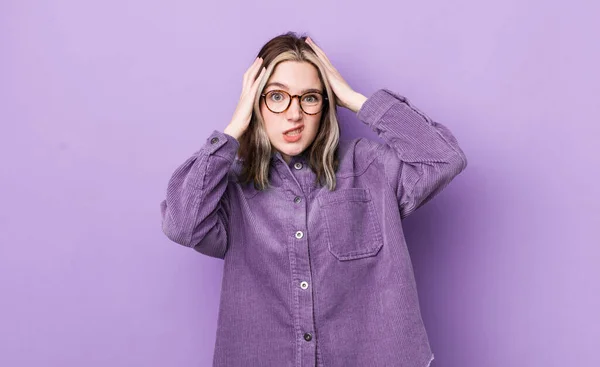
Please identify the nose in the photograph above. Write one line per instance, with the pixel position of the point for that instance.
(294, 112)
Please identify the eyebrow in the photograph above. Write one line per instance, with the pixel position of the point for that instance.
(281, 85)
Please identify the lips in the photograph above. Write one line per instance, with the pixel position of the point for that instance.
(295, 128)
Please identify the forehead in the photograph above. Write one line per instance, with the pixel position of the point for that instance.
(298, 76)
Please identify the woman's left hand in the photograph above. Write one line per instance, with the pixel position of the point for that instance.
(346, 96)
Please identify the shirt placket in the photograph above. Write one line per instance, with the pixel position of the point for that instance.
(305, 334)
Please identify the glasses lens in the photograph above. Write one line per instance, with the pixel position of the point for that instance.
(312, 102)
(277, 101)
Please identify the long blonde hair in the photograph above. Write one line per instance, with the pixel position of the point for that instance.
(255, 147)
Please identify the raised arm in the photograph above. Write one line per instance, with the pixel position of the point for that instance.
(196, 210)
(420, 156)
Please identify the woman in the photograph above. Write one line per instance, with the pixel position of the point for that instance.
(316, 268)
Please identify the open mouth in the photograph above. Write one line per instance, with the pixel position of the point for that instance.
(295, 132)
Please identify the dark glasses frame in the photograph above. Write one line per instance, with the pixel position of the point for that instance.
(264, 95)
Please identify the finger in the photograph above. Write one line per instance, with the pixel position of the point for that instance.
(258, 79)
(329, 71)
(250, 68)
(251, 72)
(321, 56)
(316, 49)
(327, 64)
(252, 91)
(325, 61)
(319, 51)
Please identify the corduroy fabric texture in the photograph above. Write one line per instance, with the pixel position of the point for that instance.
(313, 277)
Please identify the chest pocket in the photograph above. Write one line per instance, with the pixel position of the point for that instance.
(352, 228)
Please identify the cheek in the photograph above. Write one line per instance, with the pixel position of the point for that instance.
(315, 123)
(269, 119)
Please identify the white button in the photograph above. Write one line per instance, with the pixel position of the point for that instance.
(299, 234)
(304, 285)
(298, 165)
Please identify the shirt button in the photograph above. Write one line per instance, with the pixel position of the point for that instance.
(304, 285)
(307, 337)
(297, 199)
(214, 140)
(299, 234)
(298, 165)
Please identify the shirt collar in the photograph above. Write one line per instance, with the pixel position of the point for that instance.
(277, 157)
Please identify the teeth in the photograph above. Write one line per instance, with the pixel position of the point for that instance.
(294, 132)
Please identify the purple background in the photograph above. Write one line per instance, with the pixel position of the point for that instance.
(100, 101)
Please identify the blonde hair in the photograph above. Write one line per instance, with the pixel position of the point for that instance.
(255, 147)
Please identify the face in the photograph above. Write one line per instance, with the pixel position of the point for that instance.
(295, 78)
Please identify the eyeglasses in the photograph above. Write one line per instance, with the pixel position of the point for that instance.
(278, 101)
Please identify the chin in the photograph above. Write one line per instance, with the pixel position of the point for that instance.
(291, 151)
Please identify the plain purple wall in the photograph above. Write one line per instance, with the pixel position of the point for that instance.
(100, 102)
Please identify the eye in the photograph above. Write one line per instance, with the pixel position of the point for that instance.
(276, 96)
(311, 98)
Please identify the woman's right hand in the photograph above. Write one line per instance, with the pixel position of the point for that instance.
(243, 112)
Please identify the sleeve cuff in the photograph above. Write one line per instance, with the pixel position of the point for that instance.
(222, 145)
(377, 105)
(380, 102)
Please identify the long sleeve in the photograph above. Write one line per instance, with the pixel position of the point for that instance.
(196, 210)
(420, 156)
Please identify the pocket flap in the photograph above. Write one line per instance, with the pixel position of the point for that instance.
(341, 195)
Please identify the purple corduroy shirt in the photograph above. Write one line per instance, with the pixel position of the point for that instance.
(314, 277)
